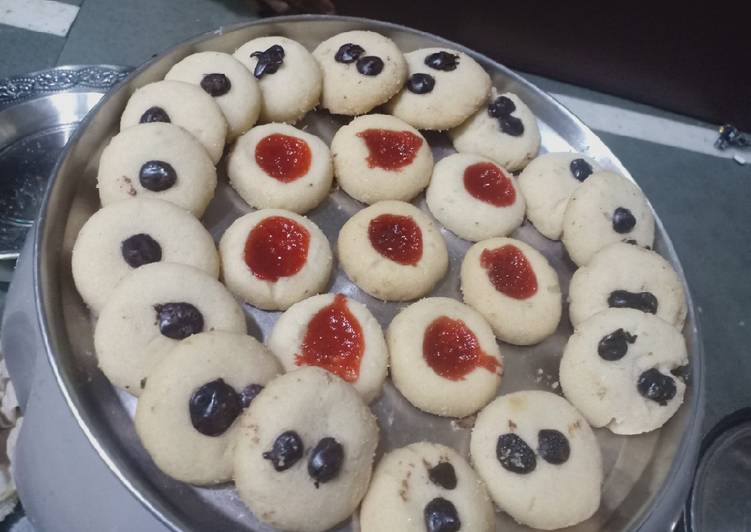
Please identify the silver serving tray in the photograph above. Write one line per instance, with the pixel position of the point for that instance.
(646, 477)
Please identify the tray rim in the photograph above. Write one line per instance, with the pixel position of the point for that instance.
(685, 458)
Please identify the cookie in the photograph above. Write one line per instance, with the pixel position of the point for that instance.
(304, 453)
(392, 251)
(547, 182)
(186, 415)
(606, 208)
(273, 258)
(444, 357)
(182, 104)
(474, 198)
(504, 129)
(227, 80)
(539, 459)
(361, 70)
(157, 160)
(128, 234)
(153, 308)
(287, 74)
(625, 275)
(620, 369)
(426, 486)
(514, 287)
(444, 87)
(379, 157)
(278, 166)
(335, 333)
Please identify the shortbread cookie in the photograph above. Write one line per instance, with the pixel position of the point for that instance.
(335, 333)
(304, 453)
(547, 183)
(443, 89)
(514, 287)
(392, 251)
(128, 234)
(625, 275)
(278, 166)
(153, 308)
(273, 258)
(361, 70)
(227, 80)
(426, 486)
(444, 357)
(618, 370)
(606, 208)
(474, 197)
(157, 160)
(288, 75)
(504, 130)
(539, 459)
(186, 414)
(182, 104)
(379, 157)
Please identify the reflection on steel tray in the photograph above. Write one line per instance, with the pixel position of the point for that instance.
(38, 113)
(646, 476)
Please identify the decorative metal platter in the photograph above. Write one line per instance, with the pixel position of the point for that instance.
(646, 476)
(38, 113)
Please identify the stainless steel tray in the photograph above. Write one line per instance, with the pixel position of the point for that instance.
(646, 477)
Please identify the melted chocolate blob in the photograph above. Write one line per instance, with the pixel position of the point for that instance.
(420, 83)
(644, 301)
(442, 61)
(614, 346)
(325, 460)
(553, 446)
(216, 84)
(369, 65)
(443, 475)
(348, 53)
(140, 249)
(157, 176)
(214, 407)
(514, 454)
(656, 386)
(501, 106)
(623, 220)
(511, 125)
(441, 516)
(154, 114)
(580, 169)
(178, 320)
(286, 451)
(249, 393)
(269, 61)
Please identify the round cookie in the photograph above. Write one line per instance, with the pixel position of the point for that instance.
(392, 251)
(504, 130)
(304, 453)
(474, 197)
(186, 414)
(514, 287)
(361, 70)
(128, 234)
(606, 208)
(625, 275)
(157, 160)
(278, 166)
(426, 483)
(287, 74)
(182, 104)
(273, 258)
(227, 80)
(547, 183)
(617, 369)
(539, 459)
(335, 333)
(443, 89)
(444, 357)
(379, 157)
(153, 308)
